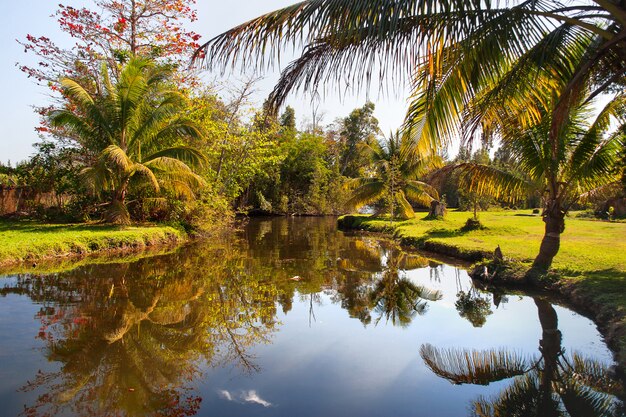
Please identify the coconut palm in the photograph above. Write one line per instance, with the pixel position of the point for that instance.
(395, 177)
(135, 130)
(587, 151)
(549, 386)
(453, 52)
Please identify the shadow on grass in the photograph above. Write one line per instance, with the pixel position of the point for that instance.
(607, 285)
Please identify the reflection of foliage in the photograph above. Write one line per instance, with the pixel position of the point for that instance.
(397, 298)
(553, 385)
(473, 307)
(131, 336)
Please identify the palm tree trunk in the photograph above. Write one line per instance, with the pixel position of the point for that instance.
(554, 218)
(117, 212)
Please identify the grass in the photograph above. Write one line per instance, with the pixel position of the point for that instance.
(587, 245)
(22, 241)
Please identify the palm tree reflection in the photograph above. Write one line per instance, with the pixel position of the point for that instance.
(394, 296)
(552, 385)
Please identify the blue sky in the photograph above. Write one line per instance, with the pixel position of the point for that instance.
(17, 132)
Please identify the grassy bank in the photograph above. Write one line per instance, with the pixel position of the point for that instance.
(590, 266)
(22, 241)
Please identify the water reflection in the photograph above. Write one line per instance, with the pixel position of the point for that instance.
(135, 338)
(130, 337)
(551, 385)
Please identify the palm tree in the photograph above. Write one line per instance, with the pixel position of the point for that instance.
(135, 130)
(586, 156)
(396, 169)
(549, 386)
(453, 52)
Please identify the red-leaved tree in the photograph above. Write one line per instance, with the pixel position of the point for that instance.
(118, 30)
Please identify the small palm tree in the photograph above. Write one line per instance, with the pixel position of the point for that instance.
(587, 154)
(135, 130)
(395, 178)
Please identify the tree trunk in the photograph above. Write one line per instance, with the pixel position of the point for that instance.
(554, 218)
(117, 212)
(437, 209)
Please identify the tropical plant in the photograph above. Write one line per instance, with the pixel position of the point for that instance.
(586, 156)
(396, 169)
(135, 131)
(549, 386)
(452, 51)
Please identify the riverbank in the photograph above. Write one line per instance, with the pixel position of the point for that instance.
(589, 271)
(31, 242)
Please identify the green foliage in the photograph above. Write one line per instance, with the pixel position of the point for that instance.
(359, 128)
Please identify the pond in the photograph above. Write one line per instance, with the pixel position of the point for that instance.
(291, 317)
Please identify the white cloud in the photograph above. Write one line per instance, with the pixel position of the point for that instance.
(244, 397)
(253, 397)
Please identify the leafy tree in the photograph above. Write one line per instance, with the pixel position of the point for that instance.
(396, 171)
(359, 127)
(288, 118)
(135, 130)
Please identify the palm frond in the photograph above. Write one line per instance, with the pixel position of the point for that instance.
(462, 366)
(186, 154)
(367, 193)
(420, 192)
(116, 156)
(144, 171)
(404, 207)
(520, 399)
(490, 181)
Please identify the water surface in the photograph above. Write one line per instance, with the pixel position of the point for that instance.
(291, 318)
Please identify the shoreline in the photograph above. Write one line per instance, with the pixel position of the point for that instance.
(610, 319)
(28, 243)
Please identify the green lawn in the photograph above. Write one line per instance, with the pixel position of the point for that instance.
(28, 241)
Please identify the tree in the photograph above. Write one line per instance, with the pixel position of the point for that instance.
(397, 167)
(135, 129)
(119, 30)
(359, 127)
(288, 118)
(587, 154)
